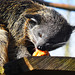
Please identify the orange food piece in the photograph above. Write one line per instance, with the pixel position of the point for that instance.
(40, 53)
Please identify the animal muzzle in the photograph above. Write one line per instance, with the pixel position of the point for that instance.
(44, 47)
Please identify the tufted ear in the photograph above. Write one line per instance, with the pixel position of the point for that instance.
(35, 18)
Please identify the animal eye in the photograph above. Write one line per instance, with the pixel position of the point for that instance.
(39, 34)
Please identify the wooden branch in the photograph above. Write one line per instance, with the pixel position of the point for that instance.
(23, 65)
(62, 6)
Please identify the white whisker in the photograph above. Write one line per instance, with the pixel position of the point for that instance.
(59, 44)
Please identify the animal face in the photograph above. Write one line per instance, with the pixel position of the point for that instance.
(48, 30)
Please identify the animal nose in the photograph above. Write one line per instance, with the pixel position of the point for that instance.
(41, 47)
(44, 47)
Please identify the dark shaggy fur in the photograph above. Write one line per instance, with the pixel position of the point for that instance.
(26, 25)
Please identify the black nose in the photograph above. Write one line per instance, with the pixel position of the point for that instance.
(41, 47)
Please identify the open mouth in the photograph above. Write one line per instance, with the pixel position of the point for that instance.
(36, 52)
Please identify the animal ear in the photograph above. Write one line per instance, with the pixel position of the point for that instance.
(34, 18)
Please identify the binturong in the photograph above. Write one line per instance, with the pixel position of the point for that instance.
(30, 25)
(49, 30)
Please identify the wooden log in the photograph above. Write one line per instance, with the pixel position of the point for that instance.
(39, 63)
(57, 5)
(51, 63)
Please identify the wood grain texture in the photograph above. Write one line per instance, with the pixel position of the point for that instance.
(52, 63)
(39, 64)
